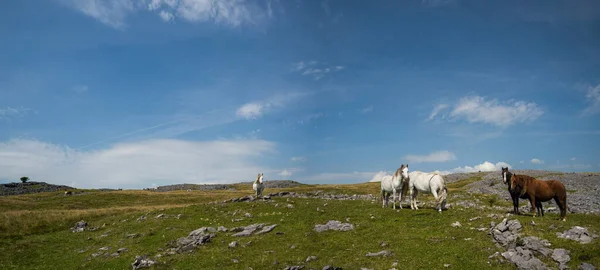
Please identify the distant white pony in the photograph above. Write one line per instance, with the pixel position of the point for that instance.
(394, 184)
(429, 183)
(258, 185)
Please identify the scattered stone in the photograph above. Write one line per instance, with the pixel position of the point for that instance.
(267, 229)
(383, 244)
(395, 264)
(194, 239)
(202, 230)
(295, 267)
(179, 216)
(221, 229)
(161, 216)
(311, 258)
(532, 223)
(104, 248)
(334, 225)
(248, 215)
(233, 244)
(116, 254)
(141, 218)
(132, 235)
(506, 232)
(523, 259)
(142, 262)
(586, 266)
(79, 226)
(383, 253)
(329, 267)
(561, 256)
(121, 250)
(579, 234)
(235, 261)
(536, 244)
(475, 218)
(248, 230)
(94, 255)
(292, 247)
(290, 206)
(456, 224)
(446, 265)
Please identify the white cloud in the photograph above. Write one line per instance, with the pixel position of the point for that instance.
(378, 176)
(439, 156)
(484, 167)
(166, 16)
(256, 109)
(353, 177)
(9, 113)
(307, 119)
(593, 98)
(367, 109)
(315, 69)
(285, 173)
(251, 110)
(436, 110)
(573, 158)
(522, 162)
(135, 165)
(476, 109)
(226, 12)
(298, 159)
(537, 161)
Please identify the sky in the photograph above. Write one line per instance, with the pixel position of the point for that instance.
(135, 94)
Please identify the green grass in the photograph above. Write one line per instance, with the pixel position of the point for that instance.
(34, 232)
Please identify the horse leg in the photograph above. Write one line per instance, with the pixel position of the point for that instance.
(562, 205)
(516, 204)
(393, 198)
(415, 198)
(533, 204)
(436, 197)
(540, 208)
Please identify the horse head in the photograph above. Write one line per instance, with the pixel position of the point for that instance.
(260, 178)
(506, 175)
(404, 171)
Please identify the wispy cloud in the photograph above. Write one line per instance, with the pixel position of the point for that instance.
(573, 158)
(367, 109)
(536, 161)
(436, 110)
(256, 109)
(180, 124)
(114, 13)
(309, 118)
(570, 166)
(475, 109)
(593, 99)
(136, 164)
(10, 113)
(351, 177)
(80, 89)
(298, 159)
(316, 70)
(439, 156)
(285, 173)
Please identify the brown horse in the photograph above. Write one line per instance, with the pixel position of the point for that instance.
(516, 194)
(541, 191)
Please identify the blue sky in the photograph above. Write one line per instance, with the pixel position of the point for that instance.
(138, 93)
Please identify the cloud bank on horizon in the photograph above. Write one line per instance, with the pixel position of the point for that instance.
(133, 94)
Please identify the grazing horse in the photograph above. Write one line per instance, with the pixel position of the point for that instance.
(541, 191)
(258, 185)
(394, 184)
(429, 183)
(516, 194)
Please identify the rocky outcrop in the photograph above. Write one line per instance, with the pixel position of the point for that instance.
(30, 187)
(579, 234)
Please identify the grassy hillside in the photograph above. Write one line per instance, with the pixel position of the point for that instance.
(34, 230)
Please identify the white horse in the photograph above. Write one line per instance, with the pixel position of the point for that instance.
(429, 183)
(394, 184)
(258, 185)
